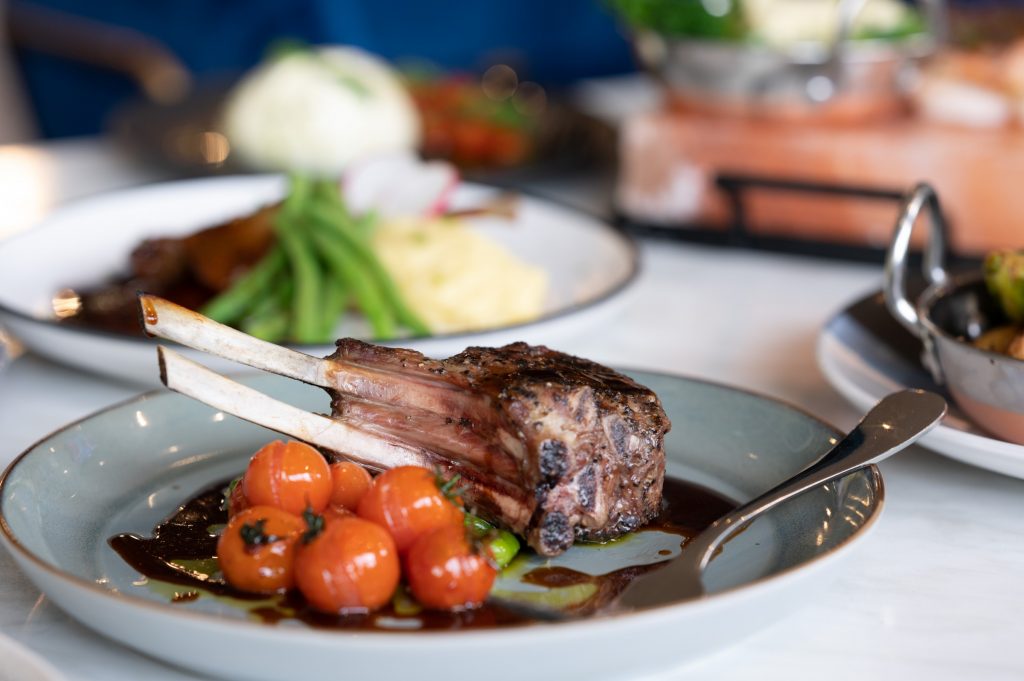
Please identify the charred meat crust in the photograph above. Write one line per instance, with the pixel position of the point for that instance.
(578, 446)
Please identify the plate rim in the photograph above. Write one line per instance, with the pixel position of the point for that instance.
(640, 617)
(626, 239)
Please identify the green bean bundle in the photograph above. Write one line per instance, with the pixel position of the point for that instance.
(321, 264)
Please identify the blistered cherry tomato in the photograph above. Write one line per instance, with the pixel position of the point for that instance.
(446, 572)
(333, 512)
(350, 566)
(291, 476)
(257, 549)
(409, 503)
(349, 483)
(236, 499)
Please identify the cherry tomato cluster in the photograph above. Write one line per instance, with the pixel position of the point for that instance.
(467, 126)
(345, 539)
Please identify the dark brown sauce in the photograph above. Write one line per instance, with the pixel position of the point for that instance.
(184, 539)
(556, 576)
(184, 536)
(293, 606)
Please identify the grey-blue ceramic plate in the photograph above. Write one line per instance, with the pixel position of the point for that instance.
(127, 467)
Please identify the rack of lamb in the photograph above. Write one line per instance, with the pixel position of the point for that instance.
(554, 447)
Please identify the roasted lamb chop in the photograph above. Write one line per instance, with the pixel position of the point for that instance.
(554, 447)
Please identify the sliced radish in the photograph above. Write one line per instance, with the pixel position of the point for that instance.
(399, 185)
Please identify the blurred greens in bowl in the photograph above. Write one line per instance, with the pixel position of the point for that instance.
(845, 59)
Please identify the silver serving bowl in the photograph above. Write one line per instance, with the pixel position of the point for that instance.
(846, 79)
(988, 386)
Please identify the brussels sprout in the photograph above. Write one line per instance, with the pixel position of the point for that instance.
(1004, 276)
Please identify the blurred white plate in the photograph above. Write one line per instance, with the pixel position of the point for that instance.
(588, 263)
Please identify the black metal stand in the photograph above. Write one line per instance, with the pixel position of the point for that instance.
(738, 234)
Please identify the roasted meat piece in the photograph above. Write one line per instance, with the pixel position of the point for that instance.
(554, 447)
(189, 270)
(583, 442)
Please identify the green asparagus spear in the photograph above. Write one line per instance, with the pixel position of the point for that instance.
(305, 269)
(308, 282)
(503, 544)
(353, 241)
(328, 206)
(269, 319)
(357, 280)
(233, 302)
(335, 300)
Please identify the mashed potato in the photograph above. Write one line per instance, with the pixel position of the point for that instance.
(455, 278)
(319, 111)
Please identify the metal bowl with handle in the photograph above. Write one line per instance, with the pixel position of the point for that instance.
(952, 312)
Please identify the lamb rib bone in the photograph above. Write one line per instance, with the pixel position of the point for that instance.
(358, 385)
(168, 320)
(192, 379)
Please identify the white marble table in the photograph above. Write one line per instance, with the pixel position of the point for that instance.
(936, 592)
